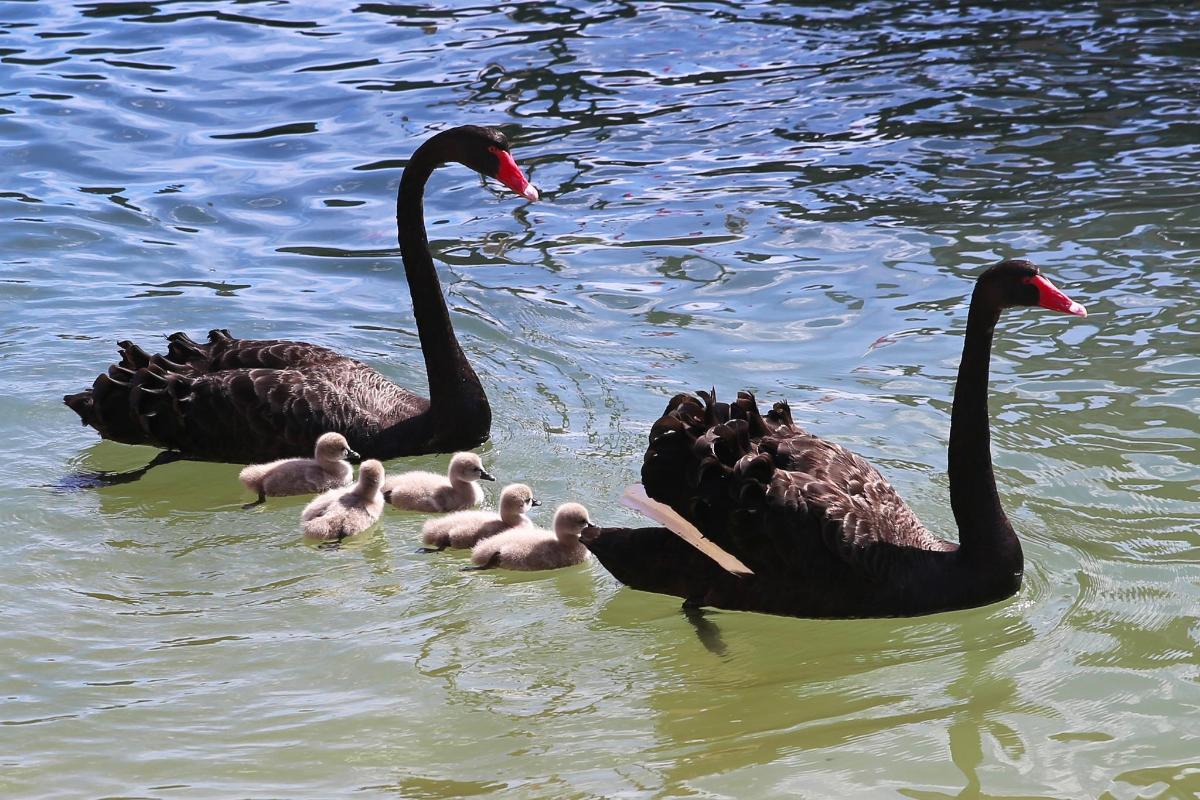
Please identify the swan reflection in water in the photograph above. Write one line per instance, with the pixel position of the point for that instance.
(848, 690)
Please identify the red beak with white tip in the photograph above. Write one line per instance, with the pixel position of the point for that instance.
(1049, 296)
(511, 176)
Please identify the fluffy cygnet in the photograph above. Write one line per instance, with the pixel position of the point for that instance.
(327, 469)
(534, 548)
(464, 529)
(344, 512)
(428, 491)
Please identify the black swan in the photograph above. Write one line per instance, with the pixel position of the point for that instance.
(242, 400)
(818, 529)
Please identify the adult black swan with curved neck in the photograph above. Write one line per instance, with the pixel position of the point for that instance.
(818, 529)
(241, 400)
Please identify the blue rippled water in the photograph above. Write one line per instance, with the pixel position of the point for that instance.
(791, 198)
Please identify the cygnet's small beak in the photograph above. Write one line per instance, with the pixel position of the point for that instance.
(485, 475)
(535, 502)
(353, 455)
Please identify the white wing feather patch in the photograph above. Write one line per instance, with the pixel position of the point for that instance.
(635, 497)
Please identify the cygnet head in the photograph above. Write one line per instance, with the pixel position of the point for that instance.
(570, 519)
(333, 447)
(517, 498)
(468, 468)
(370, 477)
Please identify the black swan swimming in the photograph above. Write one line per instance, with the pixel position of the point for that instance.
(243, 400)
(820, 531)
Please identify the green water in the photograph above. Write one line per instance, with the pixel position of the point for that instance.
(752, 195)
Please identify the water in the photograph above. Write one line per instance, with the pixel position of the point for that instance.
(793, 200)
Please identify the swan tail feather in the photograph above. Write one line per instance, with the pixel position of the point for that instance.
(132, 356)
(227, 399)
(713, 464)
(182, 349)
(82, 404)
(139, 399)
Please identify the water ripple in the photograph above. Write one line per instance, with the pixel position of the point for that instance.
(788, 198)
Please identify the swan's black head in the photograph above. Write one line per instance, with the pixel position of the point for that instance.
(1018, 282)
(486, 151)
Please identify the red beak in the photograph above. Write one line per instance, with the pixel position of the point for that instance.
(511, 176)
(1050, 297)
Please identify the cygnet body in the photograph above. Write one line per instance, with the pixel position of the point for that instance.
(327, 469)
(464, 529)
(428, 491)
(531, 548)
(339, 513)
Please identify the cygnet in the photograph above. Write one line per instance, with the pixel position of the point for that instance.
(327, 469)
(464, 529)
(428, 491)
(534, 548)
(339, 513)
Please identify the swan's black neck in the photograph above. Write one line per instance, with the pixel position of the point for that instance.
(983, 528)
(458, 407)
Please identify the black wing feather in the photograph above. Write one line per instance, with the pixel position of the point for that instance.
(242, 400)
(775, 496)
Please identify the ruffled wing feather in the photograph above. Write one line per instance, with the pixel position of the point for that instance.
(772, 494)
